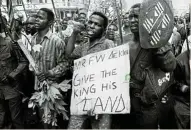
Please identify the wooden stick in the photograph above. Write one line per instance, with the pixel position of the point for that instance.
(119, 21)
(24, 8)
(54, 9)
(190, 17)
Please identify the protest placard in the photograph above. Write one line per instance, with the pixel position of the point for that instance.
(101, 82)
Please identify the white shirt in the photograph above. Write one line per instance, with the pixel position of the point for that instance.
(184, 47)
(27, 40)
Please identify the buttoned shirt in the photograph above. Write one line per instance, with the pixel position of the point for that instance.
(26, 39)
(49, 55)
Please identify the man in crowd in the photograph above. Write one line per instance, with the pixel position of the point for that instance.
(175, 20)
(12, 66)
(64, 30)
(187, 19)
(30, 25)
(82, 16)
(181, 87)
(175, 41)
(16, 26)
(188, 27)
(96, 28)
(47, 50)
(110, 34)
(30, 30)
(64, 24)
(181, 29)
(145, 104)
(127, 35)
(182, 91)
(82, 36)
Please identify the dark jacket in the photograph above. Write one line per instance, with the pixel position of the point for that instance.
(182, 71)
(150, 72)
(182, 76)
(12, 61)
(182, 98)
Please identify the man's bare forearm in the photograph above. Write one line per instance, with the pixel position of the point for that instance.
(71, 44)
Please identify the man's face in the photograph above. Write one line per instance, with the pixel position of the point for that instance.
(95, 26)
(82, 18)
(126, 20)
(111, 32)
(175, 20)
(187, 17)
(180, 21)
(30, 25)
(41, 21)
(134, 19)
(17, 26)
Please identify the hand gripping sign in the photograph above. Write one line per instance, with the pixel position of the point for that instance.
(155, 23)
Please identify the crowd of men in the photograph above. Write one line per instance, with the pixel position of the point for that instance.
(54, 48)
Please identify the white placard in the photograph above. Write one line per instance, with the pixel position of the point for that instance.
(101, 82)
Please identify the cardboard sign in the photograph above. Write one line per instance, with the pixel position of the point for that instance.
(155, 23)
(101, 82)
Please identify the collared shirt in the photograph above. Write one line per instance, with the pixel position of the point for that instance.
(85, 49)
(49, 55)
(26, 39)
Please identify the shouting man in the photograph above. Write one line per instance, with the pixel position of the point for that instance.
(96, 28)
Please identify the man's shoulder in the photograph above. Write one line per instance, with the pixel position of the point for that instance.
(109, 43)
(56, 39)
(54, 36)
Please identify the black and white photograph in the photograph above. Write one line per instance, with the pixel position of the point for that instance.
(95, 64)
